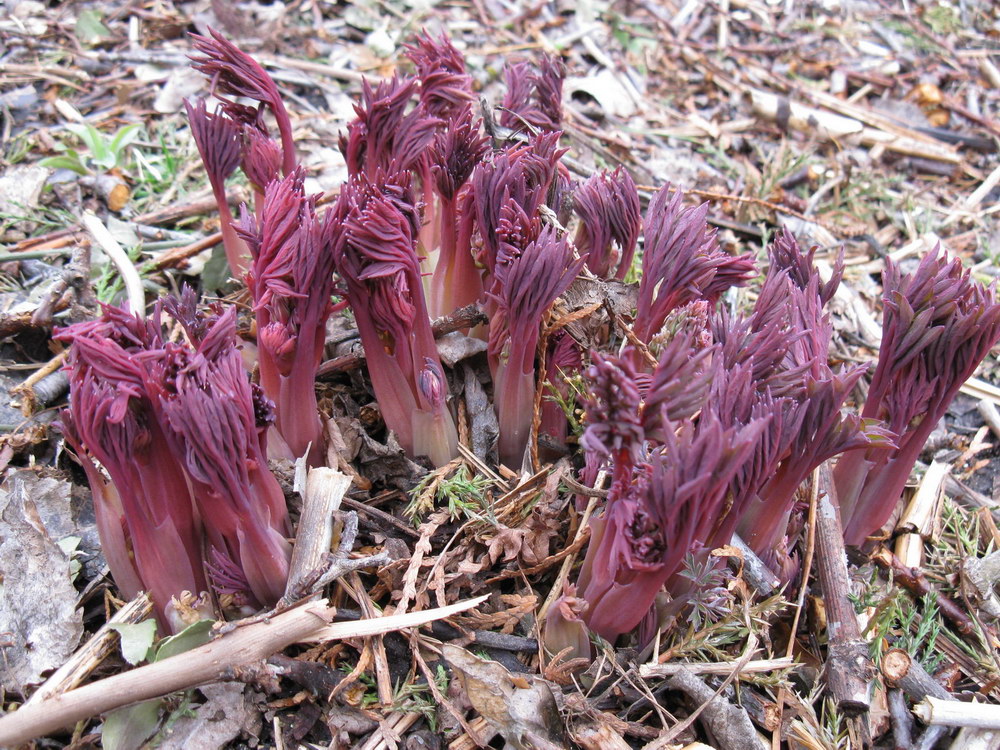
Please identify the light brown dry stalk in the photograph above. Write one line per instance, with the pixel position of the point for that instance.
(321, 497)
(902, 670)
(209, 663)
(848, 666)
(483, 731)
(755, 666)
(516, 499)
(952, 713)
(383, 682)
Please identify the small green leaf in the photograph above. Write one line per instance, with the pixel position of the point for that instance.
(191, 637)
(100, 154)
(89, 28)
(128, 728)
(136, 639)
(64, 162)
(124, 138)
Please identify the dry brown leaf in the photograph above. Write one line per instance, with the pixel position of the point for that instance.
(524, 710)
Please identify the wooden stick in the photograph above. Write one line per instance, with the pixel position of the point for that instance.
(848, 667)
(909, 675)
(730, 724)
(129, 274)
(755, 572)
(952, 713)
(214, 661)
(322, 494)
(719, 667)
(902, 719)
(917, 516)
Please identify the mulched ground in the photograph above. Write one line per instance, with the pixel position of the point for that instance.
(870, 126)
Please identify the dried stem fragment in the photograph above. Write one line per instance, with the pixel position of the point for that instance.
(848, 667)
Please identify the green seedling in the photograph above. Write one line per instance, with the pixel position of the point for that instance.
(103, 152)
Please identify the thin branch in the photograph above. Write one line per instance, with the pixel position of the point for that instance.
(209, 663)
(848, 667)
(129, 274)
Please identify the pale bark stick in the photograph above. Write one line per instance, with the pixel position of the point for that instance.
(917, 516)
(209, 663)
(952, 713)
(908, 674)
(322, 491)
(976, 739)
(848, 667)
(730, 724)
(902, 720)
(755, 666)
(755, 572)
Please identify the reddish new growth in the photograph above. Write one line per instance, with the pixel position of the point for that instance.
(375, 255)
(533, 102)
(809, 426)
(939, 325)
(608, 207)
(527, 282)
(237, 135)
(455, 153)
(387, 135)
(150, 534)
(666, 495)
(681, 262)
(234, 73)
(445, 86)
(214, 419)
(218, 141)
(291, 281)
(513, 185)
(180, 433)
